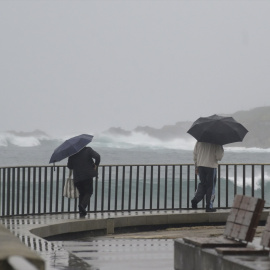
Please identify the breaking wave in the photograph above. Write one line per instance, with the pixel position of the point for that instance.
(7, 139)
(134, 140)
(137, 139)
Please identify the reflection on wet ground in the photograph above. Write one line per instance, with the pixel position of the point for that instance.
(56, 257)
(91, 253)
(120, 254)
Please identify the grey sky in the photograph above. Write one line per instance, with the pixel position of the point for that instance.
(84, 66)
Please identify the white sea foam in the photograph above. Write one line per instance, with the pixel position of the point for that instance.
(248, 180)
(250, 150)
(7, 138)
(137, 139)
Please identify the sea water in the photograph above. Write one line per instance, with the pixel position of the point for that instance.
(135, 149)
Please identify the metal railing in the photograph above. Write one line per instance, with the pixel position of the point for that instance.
(33, 190)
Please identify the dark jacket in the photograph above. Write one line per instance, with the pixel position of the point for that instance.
(82, 164)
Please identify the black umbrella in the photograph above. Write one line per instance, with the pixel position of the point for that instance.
(70, 147)
(217, 130)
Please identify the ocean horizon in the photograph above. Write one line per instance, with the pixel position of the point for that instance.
(138, 148)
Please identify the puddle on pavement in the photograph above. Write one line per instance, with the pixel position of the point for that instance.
(120, 254)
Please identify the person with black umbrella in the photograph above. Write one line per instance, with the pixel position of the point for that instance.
(80, 160)
(85, 166)
(206, 157)
(212, 133)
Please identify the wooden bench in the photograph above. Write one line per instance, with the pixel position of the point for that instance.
(240, 227)
(265, 243)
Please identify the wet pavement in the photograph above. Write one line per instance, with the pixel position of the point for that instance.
(140, 250)
(114, 254)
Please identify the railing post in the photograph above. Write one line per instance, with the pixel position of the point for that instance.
(144, 186)
(158, 189)
(109, 189)
(103, 188)
(57, 190)
(62, 187)
(227, 185)
(18, 191)
(45, 189)
(188, 184)
(180, 186)
(219, 184)
(123, 188)
(23, 191)
(244, 179)
(116, 189)
(235, 180)
(173, 185)
(51, 190)
(28, 190)
(130, 188)
(95, 192)
(3, 191)
(262, 182)
(253, 182)
(39, 190)
(137, 187)
(151, 187)
(166, 187)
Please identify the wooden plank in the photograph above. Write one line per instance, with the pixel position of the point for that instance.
(242, 251)
(252, 204)
(243, 233)
(241, 216)
(205, 242)
(228, 229)
(232, 215)
(247, 220)
(235, 231)
(237, 201)
(265, 240)
(244, 203)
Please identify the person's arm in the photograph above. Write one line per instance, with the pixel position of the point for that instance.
(95, 156)
(195, 154)
(69, 164)
(219, 152)
(195, 158)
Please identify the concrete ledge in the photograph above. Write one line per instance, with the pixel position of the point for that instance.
(128, 221)
(137, 219)
(10, 245)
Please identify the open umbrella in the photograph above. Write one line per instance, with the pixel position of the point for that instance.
(70, 147)
(217, 130)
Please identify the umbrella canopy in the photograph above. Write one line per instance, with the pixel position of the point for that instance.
(217, 130)
(70, 147)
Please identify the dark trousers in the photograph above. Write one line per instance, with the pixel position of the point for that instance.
(86, 190)
(206, 186)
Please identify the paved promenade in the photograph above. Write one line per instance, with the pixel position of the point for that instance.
(98, 228)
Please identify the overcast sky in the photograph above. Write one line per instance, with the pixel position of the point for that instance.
(84, 66)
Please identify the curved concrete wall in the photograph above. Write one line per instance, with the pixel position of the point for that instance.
(128, 221)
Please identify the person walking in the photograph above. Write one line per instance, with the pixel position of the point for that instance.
(206, 157)
(85, 166)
